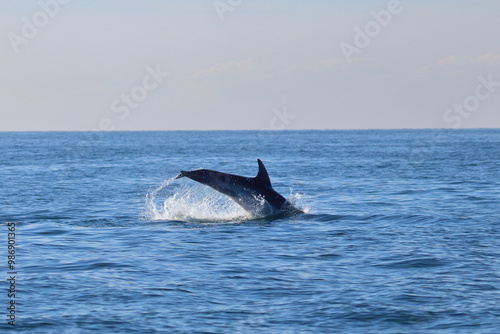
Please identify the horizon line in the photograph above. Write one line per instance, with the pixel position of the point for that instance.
(267, 130)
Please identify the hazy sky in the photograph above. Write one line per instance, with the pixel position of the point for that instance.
(248, 64)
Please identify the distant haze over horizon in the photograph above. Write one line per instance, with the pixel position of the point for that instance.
(248, 65)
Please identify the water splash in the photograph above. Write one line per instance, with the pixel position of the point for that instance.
(300, 201)
(192, 203)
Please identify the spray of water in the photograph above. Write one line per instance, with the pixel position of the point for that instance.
(300, 201)
(191, 202)
(194, 202)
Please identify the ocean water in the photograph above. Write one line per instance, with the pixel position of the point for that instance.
(401, 233)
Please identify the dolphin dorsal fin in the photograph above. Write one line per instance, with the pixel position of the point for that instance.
(262, 175)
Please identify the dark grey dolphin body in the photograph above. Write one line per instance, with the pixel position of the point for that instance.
(255, 194)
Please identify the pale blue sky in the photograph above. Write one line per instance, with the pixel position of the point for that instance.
(267, 64)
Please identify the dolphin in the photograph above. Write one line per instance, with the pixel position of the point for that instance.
(254, 194)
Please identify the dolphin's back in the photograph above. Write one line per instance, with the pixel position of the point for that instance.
(255, 194)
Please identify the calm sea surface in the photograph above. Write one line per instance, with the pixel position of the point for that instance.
(401, 233)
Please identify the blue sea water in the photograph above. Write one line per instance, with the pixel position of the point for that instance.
(401, 233)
